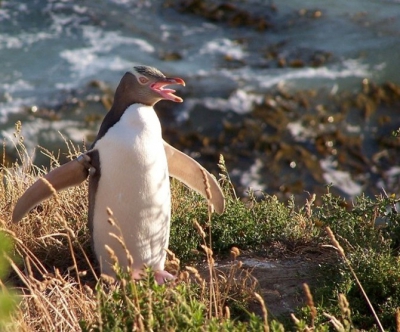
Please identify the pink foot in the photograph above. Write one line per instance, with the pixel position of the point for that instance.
(137, 274)
(161, 276)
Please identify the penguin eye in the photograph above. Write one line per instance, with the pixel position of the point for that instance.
(143, 80)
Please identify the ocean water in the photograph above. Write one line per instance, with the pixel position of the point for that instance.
(49, 48)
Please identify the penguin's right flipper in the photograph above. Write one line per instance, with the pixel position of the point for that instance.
(70, 174)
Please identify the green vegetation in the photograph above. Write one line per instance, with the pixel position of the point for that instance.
(60, 291)
(146, 306)
(8, 300)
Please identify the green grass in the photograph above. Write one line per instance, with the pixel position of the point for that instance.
(251, 224)
(147, 306)
(8, 300)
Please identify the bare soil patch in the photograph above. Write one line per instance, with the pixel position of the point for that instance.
(280, 280)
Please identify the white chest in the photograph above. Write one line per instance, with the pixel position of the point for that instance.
(134, 184)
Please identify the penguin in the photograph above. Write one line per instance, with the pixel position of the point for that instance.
(129, 166)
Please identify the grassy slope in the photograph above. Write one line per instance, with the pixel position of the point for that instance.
(53, 244)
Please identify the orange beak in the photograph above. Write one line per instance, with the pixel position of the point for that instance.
(168, 93)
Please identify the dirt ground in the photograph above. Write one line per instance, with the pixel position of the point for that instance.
(280, 280)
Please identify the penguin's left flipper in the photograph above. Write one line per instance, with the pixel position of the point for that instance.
(70, 174)
(190, 172)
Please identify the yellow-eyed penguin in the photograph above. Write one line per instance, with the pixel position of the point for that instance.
(129, 165)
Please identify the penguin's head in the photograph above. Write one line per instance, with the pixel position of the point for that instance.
(146, 85)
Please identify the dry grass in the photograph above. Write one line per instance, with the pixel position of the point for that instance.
(51, 243)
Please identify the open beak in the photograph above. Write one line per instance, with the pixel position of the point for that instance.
(168, 94)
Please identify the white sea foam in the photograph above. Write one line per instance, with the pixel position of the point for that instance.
(391, 178)
(239, 101)
(394, 171)
(224, 46)
(142, 3)
(98, 55)
(267, 78)
(349, 68)
(41, 130)
(85, 63)
(339, 179)
(22, 40)
(80, 9)
(252, 178)
(196, 30)
(18, 85)
(105, 41)
(299, 132)
(11, 104)
(353, 129)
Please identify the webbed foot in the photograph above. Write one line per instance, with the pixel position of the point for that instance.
(162, 276)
